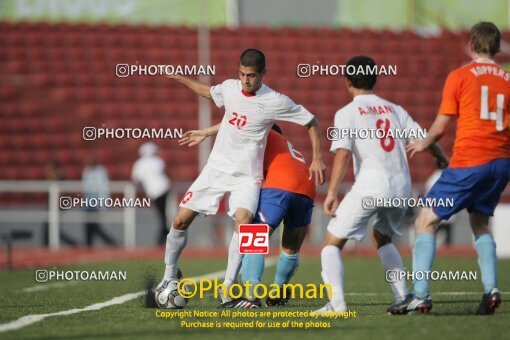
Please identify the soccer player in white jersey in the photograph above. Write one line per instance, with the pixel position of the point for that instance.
(235, 163)
(381, 170)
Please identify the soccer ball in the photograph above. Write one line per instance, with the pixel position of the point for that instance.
(169, 297)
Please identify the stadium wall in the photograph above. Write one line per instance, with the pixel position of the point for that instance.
(398, 14)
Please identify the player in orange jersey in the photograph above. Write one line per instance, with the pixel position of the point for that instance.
(287, 195)
(478, 94)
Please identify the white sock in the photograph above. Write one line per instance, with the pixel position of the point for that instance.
(175, 242)
(333, 274)
(235, 260)
(391, 260)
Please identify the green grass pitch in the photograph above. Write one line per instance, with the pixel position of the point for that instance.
(367, 293)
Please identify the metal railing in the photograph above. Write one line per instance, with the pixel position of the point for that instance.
(126, 216)
(55, 215)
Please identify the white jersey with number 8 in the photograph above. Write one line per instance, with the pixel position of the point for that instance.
(380, 164)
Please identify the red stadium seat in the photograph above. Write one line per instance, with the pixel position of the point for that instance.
(70, 69)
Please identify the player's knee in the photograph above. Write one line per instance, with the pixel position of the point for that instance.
(427, 221)
(243, 217)
(380, 239)
(479, 223)
(336, 242)
(180, 223)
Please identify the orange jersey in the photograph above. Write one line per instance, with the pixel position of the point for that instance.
(479, 94)
(286, 168)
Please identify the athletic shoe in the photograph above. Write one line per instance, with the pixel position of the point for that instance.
(279, 301)
(242, 303)
(489, 303)
(411, 304)
(220, 294)
(162, 285)
(328, 309)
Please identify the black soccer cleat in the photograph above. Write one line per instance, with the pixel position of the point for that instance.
(242, 303)
(279, 301)
(411, 304)
(489, 303)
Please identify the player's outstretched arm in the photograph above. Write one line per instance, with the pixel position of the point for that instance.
(195, 137)
(199, 88)
(340, 163)
(317, 167)
(434, 135)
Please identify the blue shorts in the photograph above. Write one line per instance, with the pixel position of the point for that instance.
(276, 205)
(476, 188)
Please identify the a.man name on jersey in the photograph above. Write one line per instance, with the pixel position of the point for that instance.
(482, 70)
(376, 110)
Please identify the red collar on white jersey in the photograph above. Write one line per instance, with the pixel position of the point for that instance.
(248, 94)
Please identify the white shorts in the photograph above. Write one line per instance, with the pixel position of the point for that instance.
(351, 221)
(206, 192)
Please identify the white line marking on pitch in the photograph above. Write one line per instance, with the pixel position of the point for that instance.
(30, 319)
(39, 288)
(33, 318)
(431, 293)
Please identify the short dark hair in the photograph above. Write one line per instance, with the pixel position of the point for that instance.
(485, 38)
(253, 58)
(277, 128)
(359, 80)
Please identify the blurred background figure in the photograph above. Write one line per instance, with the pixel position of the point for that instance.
(54, 173)
(149, 175)
(96, 186)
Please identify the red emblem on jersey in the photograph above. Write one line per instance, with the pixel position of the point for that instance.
(187, 197)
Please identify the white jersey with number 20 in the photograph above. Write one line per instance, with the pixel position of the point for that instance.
(241, 140)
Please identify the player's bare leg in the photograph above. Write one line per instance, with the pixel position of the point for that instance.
(487, 260)
(333, 273)
(242, 216)
(424, 252)
(176, 241)
(392, 263)
(292, 240)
